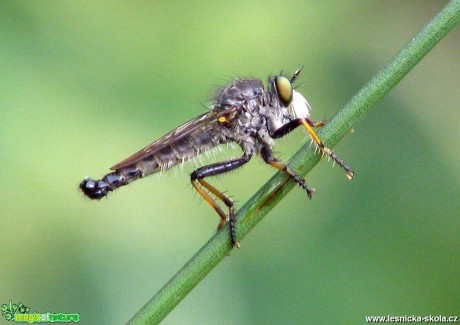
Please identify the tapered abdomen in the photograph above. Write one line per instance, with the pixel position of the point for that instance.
(168, 156)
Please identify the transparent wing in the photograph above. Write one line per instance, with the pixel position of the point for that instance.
(173, 136)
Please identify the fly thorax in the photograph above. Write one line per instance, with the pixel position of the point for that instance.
(264, 138)
(244, 120)
(277, 117)
(257, 122)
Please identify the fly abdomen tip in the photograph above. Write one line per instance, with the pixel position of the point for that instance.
(93, 189)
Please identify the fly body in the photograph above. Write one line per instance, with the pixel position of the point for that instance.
(245, 113)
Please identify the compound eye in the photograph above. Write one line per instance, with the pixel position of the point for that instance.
(284, 90)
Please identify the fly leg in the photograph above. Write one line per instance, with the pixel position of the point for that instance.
(198, 182)
(309, 125)
(266, 154)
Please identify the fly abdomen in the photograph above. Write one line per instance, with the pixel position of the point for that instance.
(180, 151)
(94, 189)
(97, 189)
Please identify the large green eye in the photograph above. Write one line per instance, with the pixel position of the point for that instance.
(284, 90)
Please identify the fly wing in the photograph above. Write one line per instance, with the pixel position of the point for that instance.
(173, 136)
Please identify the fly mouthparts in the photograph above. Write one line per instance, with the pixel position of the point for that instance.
(299, 106)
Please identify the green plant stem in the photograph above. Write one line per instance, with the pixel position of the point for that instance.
(303, 161)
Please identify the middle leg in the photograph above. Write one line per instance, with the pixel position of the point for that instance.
(267, 156)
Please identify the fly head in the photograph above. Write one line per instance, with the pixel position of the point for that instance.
(287, 97)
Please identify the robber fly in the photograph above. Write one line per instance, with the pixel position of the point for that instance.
(243, 112)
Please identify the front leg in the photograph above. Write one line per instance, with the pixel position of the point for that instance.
(309, 125)
(291, 125)
(198, 182)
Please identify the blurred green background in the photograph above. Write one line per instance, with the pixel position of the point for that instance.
(84, 84)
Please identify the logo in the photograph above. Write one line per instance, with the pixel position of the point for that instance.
(21, 314)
